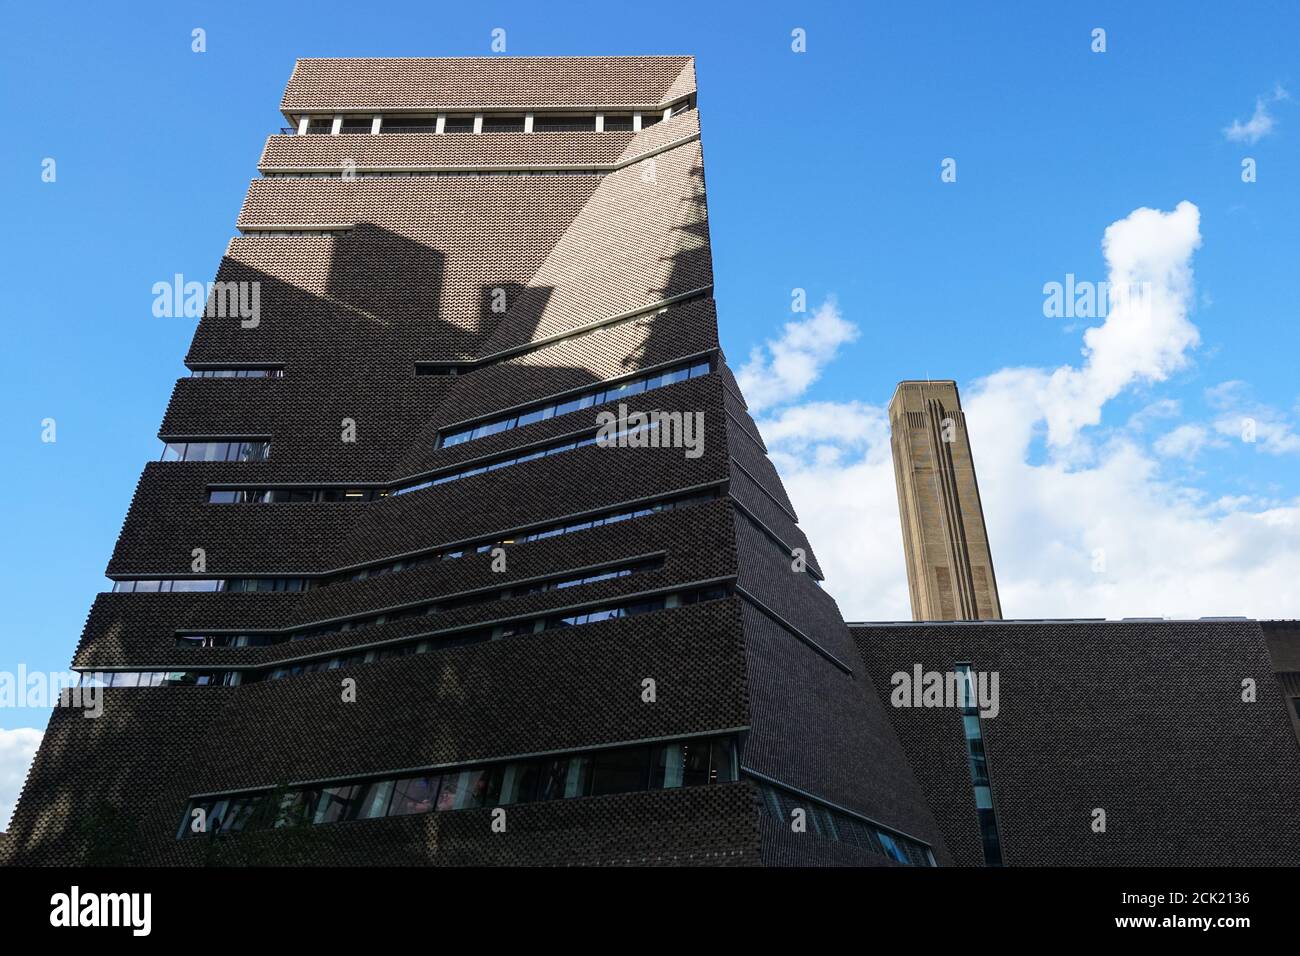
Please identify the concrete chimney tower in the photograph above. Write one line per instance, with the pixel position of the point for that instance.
(949, 564)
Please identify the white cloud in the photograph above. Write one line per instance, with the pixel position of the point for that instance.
(1168, 549)
(1163, 408)
(1186, 441)
(1261, 122)
(1239, 420)
(1262, 428)
(17, 747)
(1146, 335)
(782, 370)
(1254, 129)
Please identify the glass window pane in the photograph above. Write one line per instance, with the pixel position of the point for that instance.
(577, 782)
(724, 760)
(619, 771)
(695, 763)
(414, 795)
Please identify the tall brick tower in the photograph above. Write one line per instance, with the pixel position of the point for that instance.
(397, 574)
(949, 564)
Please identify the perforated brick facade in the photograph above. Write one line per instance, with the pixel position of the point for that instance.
(1147, 721)
(541, 266)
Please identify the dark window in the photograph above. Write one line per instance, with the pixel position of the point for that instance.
(619, 771)
(414, 795)
(252, 450)
(493, 123)
(618, 124)
(553, 123)
(320, 124)
(458, 124)
(830, 823)
(586, 399)
(356, 124)
(337, 803)
(409, 124)
(237, 373)
(978, 763)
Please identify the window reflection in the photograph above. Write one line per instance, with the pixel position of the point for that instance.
(695, 762)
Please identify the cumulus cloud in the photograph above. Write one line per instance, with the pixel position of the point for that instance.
(782, 369)
(1146, 334)
(17, 747)
(1238, 419)
(1083, 523)
(1261, 122)
(1186, 441)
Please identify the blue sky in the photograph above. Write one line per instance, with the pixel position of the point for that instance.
(823, 174)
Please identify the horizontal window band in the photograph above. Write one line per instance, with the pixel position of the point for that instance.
(492, 167)
(482, 761)
(648, 371)
(336, 174)
(682, 497)
(689, 490)
(225, 493)
(462, 109)
(879, 840)
(635, 562)
(243, 584)
(675, 764)
(598, 393)
(759, 775)
(685, 589)
(236, 371)
(213, 449)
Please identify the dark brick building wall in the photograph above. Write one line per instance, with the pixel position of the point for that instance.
(593, 266)
(1142, 719)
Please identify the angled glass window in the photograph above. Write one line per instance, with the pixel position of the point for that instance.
(238, 450)
(237, 373)
(586, 399)
(500, 783)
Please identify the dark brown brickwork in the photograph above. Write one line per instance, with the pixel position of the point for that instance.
(1142, 719)
(536, 286)
(427, 83)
